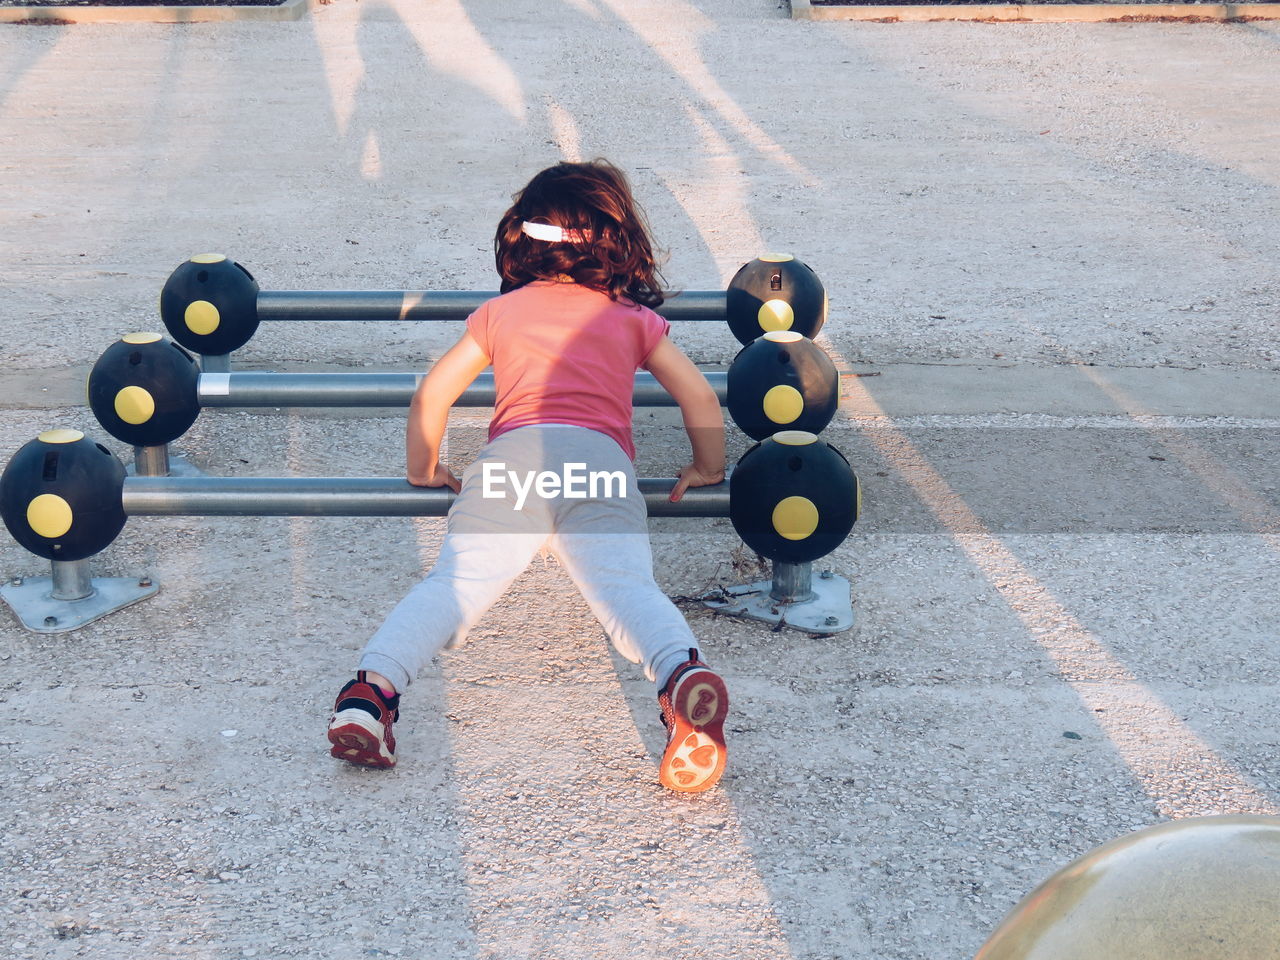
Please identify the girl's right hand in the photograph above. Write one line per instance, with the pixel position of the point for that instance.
(441, 476)
(692, 476)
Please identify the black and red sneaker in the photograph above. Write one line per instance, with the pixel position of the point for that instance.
(360, 729)
(693, 706)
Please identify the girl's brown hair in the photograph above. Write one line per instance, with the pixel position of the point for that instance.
(613, 253)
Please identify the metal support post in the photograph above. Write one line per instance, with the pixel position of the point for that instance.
(792, 582)
(71, 580)
(157, 462)
(151, 461)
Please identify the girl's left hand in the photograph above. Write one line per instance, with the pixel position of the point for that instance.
(693, 476)
(441, 476)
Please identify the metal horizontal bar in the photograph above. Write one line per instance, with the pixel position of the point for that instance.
(261, 389)
(437, 304)
(352, 497)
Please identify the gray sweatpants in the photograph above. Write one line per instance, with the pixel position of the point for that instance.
(504, 516)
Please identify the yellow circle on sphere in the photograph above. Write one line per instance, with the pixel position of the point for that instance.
(138, 338)
(795, 518)
(134, 405)
(783, 404)
(776, 257)
(202, 317)
(61, 436)
(775, 315)
(49, 515)
(795, 438)
(209, 258)
(782, 336)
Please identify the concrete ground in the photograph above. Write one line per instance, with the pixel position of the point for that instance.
(1052, 258)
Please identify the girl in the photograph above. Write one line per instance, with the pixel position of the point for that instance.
(573, 324)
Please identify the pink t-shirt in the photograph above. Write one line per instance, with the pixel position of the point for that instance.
(564, 353)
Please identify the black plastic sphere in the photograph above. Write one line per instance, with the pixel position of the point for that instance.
(143, 390)
(61, 496)
(210, 305)
(782, 381)
(793, 497)
(775, 292)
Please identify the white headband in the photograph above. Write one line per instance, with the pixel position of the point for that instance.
(551, 233)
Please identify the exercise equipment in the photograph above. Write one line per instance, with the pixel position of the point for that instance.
(66, 498)
(775, 292)
(212, 306)
(80, 516)
(792, 498)
(781, 381)
(795, 498)
(60, 497)
(144, 390)
(353, 497)
(147, 391)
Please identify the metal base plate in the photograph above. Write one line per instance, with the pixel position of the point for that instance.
(829, 611)
(31, 599)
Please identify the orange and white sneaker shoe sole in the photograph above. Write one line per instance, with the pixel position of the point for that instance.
(695, 754)
(357, 737)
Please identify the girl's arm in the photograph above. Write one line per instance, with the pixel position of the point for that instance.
(703, 421)
(429, 412)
